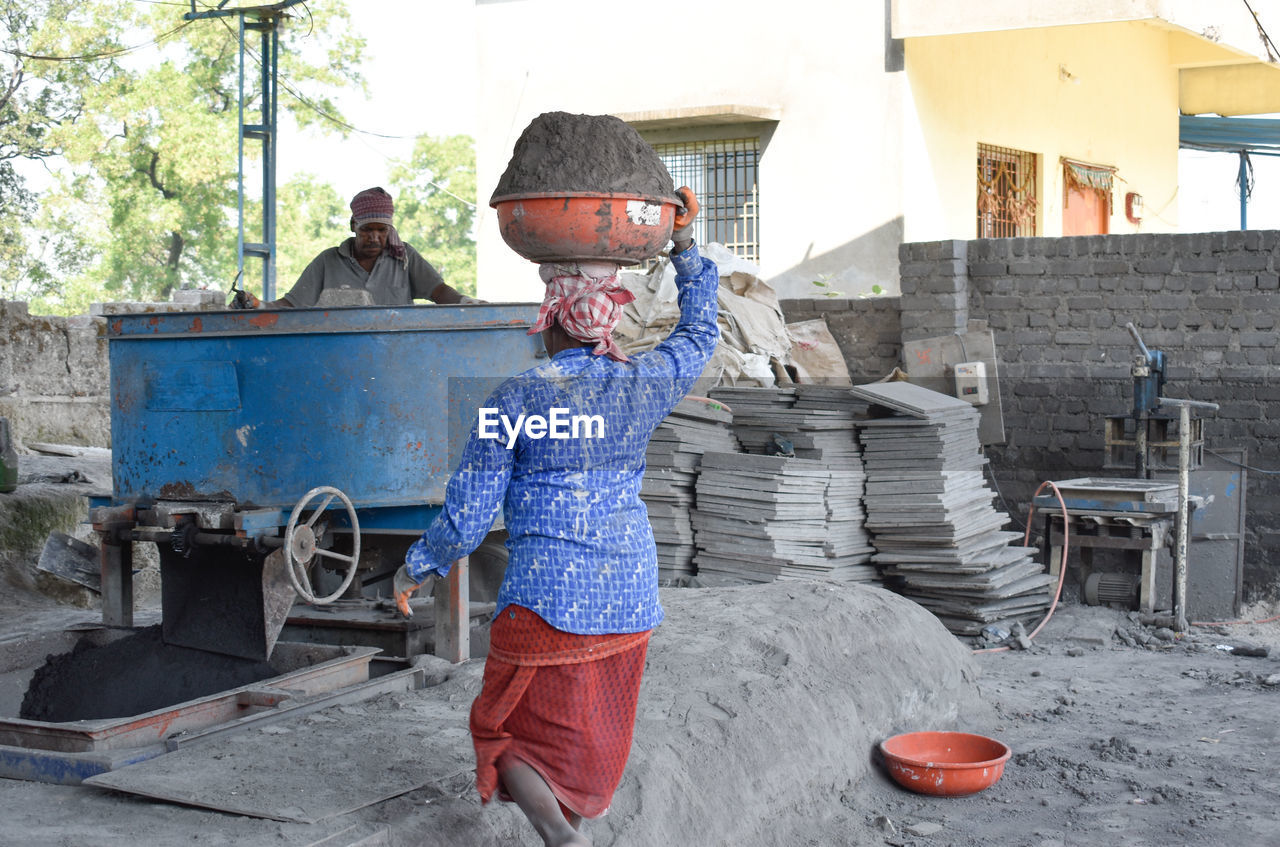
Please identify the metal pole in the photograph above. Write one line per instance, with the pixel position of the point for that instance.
(1242, 179)
(453, 614)
(268, 25)
(240, 168)
(1184, 486)
(270, 56)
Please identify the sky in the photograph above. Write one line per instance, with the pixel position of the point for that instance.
(419, 63)
(1208, 200)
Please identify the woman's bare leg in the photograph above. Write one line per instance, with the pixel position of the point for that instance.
(539, 804)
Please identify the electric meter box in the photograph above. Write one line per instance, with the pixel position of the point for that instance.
(971, 382)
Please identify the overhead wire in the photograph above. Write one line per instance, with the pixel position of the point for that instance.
(297, 95)
(1273, 54)
(106, 54)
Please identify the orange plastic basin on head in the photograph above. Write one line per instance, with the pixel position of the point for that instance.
(951, 764)
(584, 226)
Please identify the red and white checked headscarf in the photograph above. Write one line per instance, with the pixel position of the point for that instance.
(374, 206)
(586, 300)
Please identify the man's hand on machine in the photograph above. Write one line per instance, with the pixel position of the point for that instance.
(244, 300)
(404, 585)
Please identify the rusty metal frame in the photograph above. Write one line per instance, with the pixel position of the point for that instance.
(1007, 192)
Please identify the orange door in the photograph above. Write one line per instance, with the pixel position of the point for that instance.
(1085, 212)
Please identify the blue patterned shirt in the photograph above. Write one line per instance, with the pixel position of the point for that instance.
(582, 554)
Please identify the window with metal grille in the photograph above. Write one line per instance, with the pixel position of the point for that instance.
(1006, 192)
(725, 176)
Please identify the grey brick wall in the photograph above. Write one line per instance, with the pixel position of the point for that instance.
(869, 331)
(1058, 309)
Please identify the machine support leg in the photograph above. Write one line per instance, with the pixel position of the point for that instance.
(1184, 484)
(453, 614)
(117, 579)
(1150, 560)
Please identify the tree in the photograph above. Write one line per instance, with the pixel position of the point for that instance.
(149, 191)
(311, 217)
(37, 96)
(435, 195)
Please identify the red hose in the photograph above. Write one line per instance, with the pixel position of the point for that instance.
(1062, 567)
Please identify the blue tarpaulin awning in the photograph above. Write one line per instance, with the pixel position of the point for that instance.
(1242, 136)
(1229, 134)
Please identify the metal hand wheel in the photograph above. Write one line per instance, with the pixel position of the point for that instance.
(300, 545)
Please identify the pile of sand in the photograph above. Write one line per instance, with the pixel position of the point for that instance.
(596, 153)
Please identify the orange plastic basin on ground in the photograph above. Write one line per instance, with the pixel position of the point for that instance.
(580, 226)
(944, 763)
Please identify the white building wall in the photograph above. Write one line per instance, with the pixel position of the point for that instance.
(830, 170)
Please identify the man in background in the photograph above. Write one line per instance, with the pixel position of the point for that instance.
(373, 259)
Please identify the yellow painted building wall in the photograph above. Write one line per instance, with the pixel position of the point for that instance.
(1104, 94)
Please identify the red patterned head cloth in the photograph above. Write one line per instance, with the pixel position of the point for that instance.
(586, 300)
(374, 206)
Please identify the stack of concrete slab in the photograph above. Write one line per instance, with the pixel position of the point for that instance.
(759, 517)
(936, 534)
(671, 470)
(813, 423)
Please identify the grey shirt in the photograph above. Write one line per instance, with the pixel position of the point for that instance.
(391, 282)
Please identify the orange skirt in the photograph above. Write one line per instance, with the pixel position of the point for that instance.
(564, 704)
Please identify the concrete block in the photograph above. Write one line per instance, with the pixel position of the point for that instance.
(1216, 303)
(1209, 339)
(914, 269)
(1030, 337)
(1110, 266)
(1246, 262)
(988, 268)
(1160, 265)
(1179, 302)
(951, 249)
(1087, 302)
(200, 297)
(1028, 267)
(1259, 339)
(1069, 266)
(1199, 264)
(1234, 240)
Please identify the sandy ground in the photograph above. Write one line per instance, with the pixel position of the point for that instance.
(758, 721)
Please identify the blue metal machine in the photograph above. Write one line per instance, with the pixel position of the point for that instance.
(251, 445)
